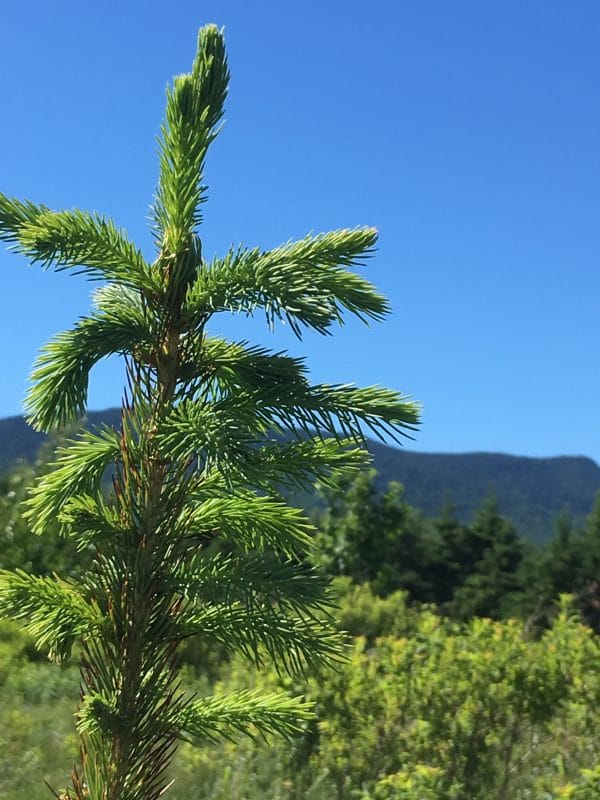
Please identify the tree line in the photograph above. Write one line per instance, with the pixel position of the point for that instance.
(483, 568)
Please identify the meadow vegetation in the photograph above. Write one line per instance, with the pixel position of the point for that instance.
(430, 703)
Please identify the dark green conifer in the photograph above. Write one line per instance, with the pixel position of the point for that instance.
(490, 588)
(376, 537)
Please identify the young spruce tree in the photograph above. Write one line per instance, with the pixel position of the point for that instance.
(193, 538)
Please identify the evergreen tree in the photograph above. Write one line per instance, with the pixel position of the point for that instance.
(492, 585)
(562, 562)
(589, 590)
(376, 537)
(590, 543)
(193, 539)
(458, 549)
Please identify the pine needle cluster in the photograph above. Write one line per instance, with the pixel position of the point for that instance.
(193, 537)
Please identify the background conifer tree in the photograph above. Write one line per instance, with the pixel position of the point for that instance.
(193, 539)
(376, 537)
(493, 581)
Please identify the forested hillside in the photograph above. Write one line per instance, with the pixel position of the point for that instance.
(19, 441)
(530, 492)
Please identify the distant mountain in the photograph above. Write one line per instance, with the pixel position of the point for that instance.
(529, 491)
(19, 441)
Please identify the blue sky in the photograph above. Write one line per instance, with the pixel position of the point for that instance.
(468, 133)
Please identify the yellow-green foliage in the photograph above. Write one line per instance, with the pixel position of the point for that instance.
(36, 719)
(434, 712)
(423, 709)
(422, 781)
(586, 788)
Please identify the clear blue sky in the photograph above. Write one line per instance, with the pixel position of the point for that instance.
(467, 132)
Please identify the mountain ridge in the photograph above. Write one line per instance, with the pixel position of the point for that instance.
(531, 491)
